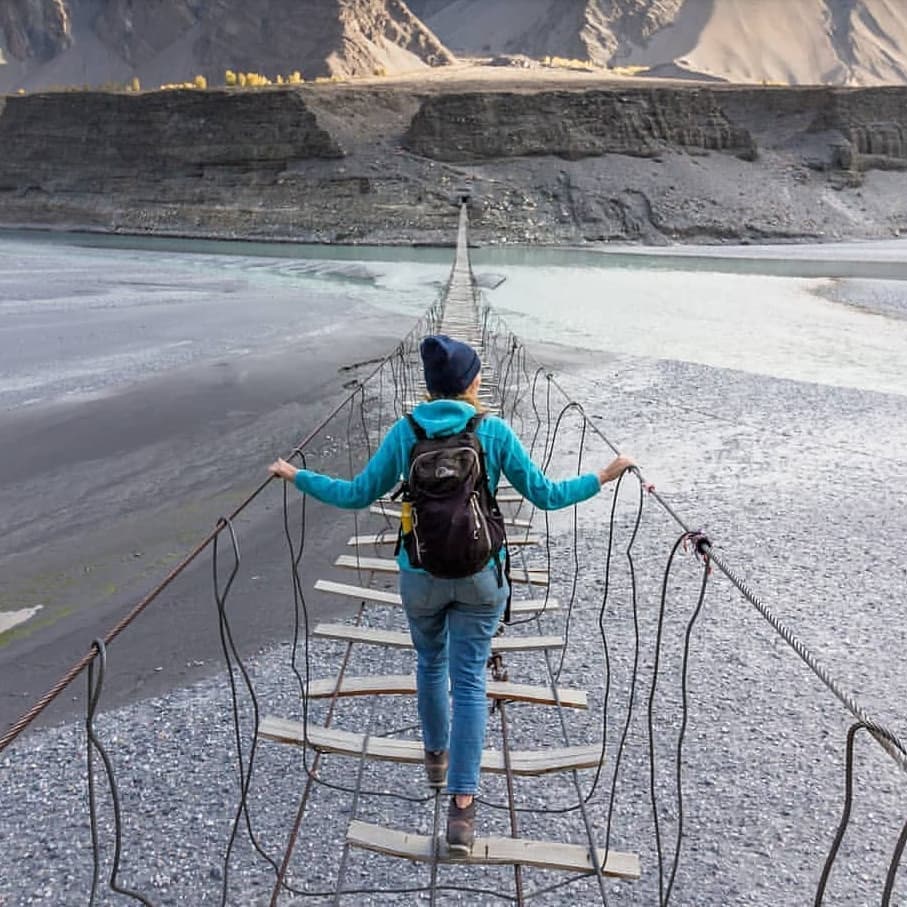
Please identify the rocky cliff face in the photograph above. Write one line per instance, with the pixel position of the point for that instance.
(572, 125)
(381, 164)
(873, 126)
(838, 130)
(35, 29)
(173, 149)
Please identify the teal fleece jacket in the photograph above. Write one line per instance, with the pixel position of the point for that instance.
(503, 454)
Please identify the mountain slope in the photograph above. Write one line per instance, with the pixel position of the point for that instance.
(77, 42)
(853, 42)
(33, 29)
(842, 42)
(533, 27)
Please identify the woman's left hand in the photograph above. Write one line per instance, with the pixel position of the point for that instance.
(283, 470)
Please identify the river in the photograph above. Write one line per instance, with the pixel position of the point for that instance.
(88, 315)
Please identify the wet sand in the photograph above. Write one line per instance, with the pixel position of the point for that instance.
(100, 499)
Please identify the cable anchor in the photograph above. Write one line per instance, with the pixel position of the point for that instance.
(700, 545)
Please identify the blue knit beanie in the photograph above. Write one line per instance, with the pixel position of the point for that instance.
(450, 365)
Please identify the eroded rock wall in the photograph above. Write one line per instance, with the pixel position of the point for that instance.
(573, 125)
(101, 142)
(382, 163)
(873, 124)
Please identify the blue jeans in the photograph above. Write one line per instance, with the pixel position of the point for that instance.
(452, 622)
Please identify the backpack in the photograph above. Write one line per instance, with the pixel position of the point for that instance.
(453, 527)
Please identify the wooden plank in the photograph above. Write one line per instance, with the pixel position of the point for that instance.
(495, 851)
(388, 565)
(405, 685)
(528, 763)
(366, 635)
(401, 640)
(389, 537)
(394, 514)
(362, 593)
(384, 597)
(502, 497)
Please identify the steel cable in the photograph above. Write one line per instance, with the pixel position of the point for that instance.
(95, 687)
(664, 890)
(845, 821)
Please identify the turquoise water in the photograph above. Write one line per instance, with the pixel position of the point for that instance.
(84, 313)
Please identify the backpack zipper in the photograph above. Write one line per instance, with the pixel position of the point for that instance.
(415, 536)
(479, 520)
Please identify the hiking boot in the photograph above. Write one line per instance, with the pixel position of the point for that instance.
(436, 767)
(461, 828)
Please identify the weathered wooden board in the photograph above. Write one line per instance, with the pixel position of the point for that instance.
(389, 537)
(495, 851)
(385, 597)
(389, 749)
(401, 640)
(405, 685)
(389, 565)
(502, 497)
(394, 514)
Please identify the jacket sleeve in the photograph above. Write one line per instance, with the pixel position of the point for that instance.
(533, 484)
(377, 478)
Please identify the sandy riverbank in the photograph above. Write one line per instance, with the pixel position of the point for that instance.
(103, 493)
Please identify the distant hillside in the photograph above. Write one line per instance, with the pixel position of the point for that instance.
(841, 42)
(92, 42)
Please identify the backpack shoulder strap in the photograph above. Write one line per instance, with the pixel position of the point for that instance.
(471, 426)
(418, 430)
(473, 423)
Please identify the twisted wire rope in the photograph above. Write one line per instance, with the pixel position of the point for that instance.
(94, 744)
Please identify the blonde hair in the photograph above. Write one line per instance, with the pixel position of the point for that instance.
(471, 399)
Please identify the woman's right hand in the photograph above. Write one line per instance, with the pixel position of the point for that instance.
(283, 470)
(614, 469)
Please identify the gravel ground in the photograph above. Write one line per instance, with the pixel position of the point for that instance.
(802, 489)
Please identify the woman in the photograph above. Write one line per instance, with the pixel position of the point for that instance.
(452, 621)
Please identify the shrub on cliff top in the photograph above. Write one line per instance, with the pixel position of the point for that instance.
(199, 82)
(569, 63)
(257, 80)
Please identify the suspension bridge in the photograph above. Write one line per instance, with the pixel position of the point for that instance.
(554, 792)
